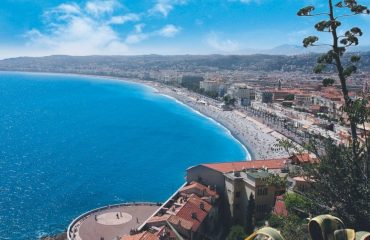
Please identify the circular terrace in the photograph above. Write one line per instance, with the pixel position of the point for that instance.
(110, 222)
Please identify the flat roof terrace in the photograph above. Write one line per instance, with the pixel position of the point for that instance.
(109, 222)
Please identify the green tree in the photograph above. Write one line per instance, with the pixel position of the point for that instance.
(340, 181)
(274, 179)
(294, 228)
(338, 186)
(250, 215)
(338, 47)
(289, 97)
(236, 233)
(229, 101)
(291, 227)
(276, 221)
(328, 82)
(295, 201)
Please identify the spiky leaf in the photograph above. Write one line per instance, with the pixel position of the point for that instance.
(355, 58)
(319, 68)
(349, 70)
(339, 4)
(327, 58)
(306, 11)
(356, 31)
(359, 9)
(328, 82)
(309, 41)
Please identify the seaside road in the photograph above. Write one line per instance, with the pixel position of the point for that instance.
(111, 222)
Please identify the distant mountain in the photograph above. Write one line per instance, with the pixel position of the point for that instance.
(290, 50)
(134, 65)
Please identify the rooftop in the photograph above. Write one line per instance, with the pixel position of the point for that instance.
(199, 189)
(303, 158)
(239, 166)
(258, 174)
(195, 210)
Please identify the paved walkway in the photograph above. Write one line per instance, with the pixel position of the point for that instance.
(109, 223)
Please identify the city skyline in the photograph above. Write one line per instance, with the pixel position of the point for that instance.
(118, 27)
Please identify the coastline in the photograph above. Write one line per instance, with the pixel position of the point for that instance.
(256, 138)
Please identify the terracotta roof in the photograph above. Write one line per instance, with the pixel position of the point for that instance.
(177, 221)
(155, 219)
(303, 158)
(238, 166)
(193, 212)
(198, 189)
(286, 91)
(166, 231)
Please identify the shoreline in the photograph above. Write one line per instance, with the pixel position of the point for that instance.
(255, 137)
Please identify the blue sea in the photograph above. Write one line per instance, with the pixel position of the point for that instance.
(69, 144)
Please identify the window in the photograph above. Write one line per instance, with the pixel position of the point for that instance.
(237, 194)
(261, 208)
(262, 191)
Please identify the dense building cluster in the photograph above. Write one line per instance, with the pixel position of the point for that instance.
(216, 196)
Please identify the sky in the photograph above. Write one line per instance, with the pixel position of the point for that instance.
(131, 27)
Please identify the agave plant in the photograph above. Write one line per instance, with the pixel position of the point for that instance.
(323, 227)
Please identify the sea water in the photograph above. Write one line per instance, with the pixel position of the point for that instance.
(69, 144)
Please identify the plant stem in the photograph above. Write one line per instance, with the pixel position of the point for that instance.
(342, 78)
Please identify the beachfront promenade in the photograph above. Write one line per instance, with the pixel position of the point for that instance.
(110, 222)
(256, 136)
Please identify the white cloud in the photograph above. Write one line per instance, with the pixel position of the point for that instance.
(69, 8)
(139, 27)
(88, 29)
(131, 17)
(164, 7)
(101, 7)
(223, 45)
(76, 31)
(169, 31)
(138, 35)
(136, 38)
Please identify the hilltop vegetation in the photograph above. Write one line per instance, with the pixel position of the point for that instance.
(119, 64)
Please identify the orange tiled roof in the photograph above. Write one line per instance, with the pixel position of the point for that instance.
(303, 158)
(183, 223)
(238, 166)
(166, 231)
(192, 211)
(199, 189)
(155, 219)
